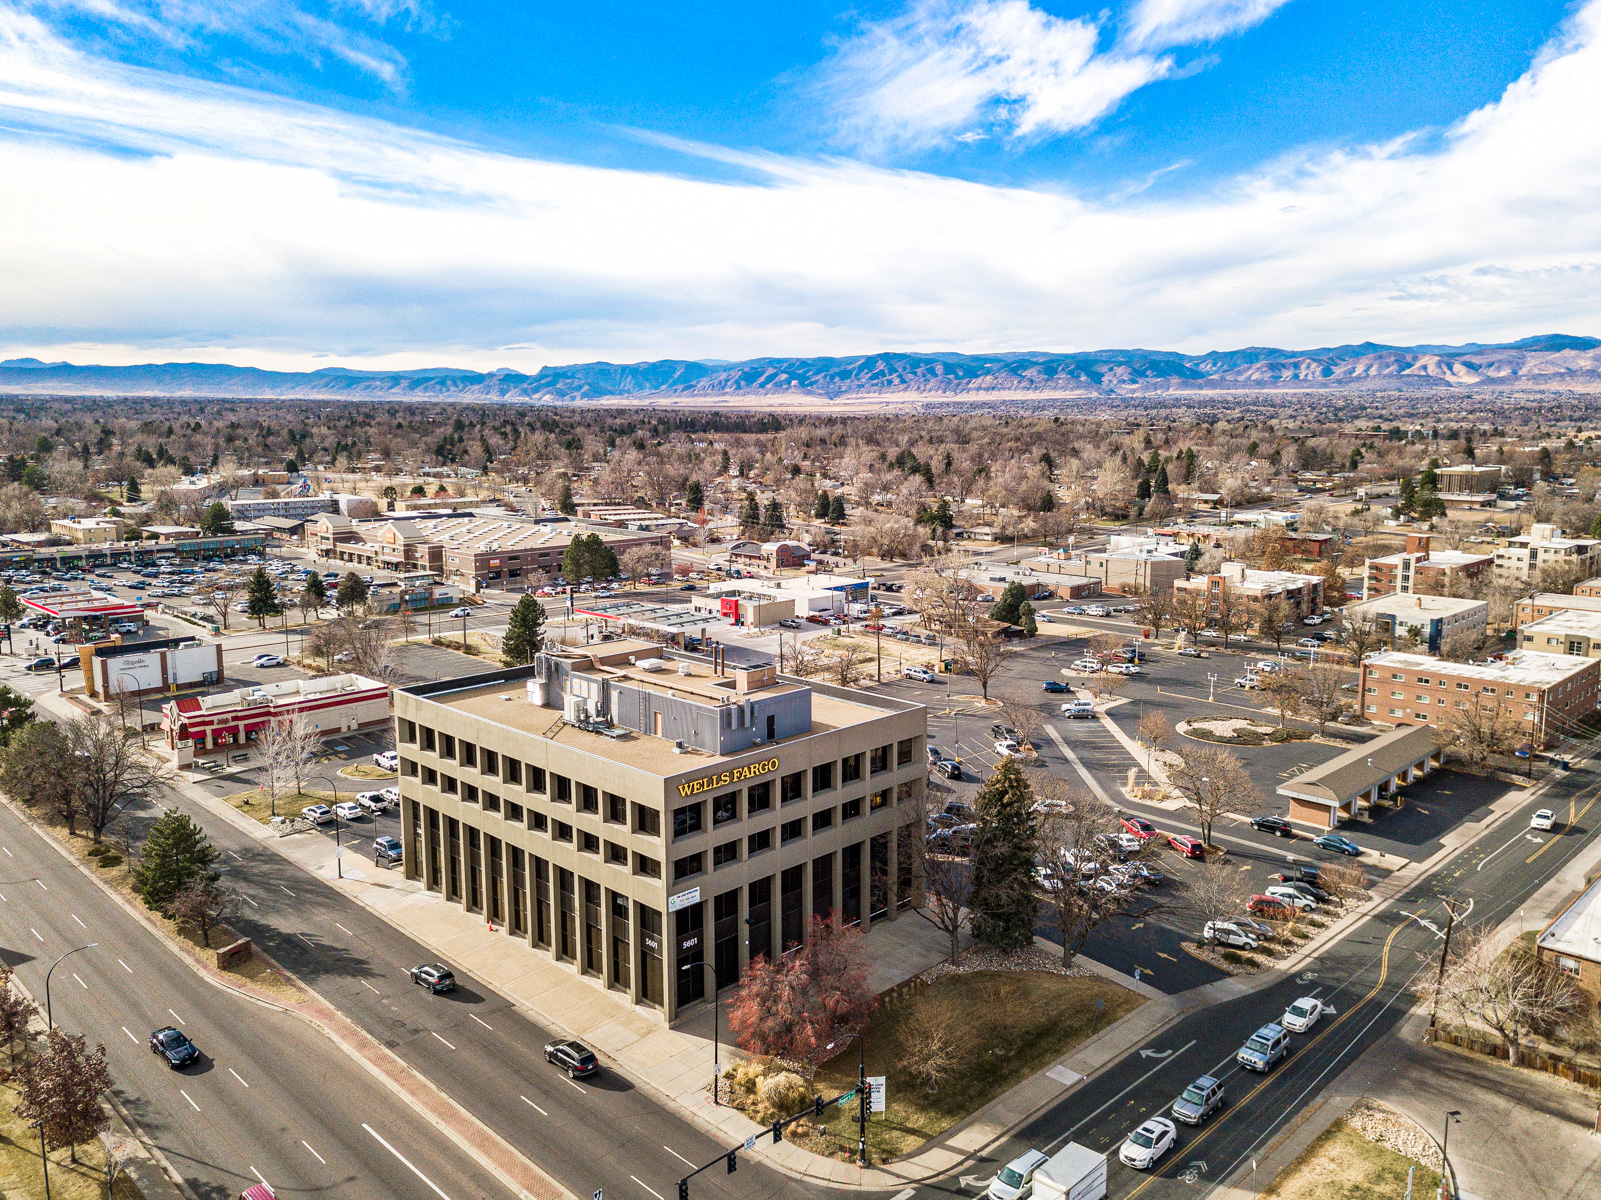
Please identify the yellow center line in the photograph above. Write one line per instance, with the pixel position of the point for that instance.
(1572, 817)
(1384, 971)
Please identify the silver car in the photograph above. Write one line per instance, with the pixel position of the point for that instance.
(1199, 1101)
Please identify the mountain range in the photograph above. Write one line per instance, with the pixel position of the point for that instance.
(1552, 361)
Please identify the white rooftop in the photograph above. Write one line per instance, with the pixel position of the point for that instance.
(1531, 668)
(1416, 606)
(1577, 931)
(1438, 558)
(1586, 623)
(1559, 600)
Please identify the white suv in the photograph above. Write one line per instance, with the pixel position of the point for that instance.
(921, 674)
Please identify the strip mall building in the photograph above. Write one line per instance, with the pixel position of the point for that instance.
(197, 725)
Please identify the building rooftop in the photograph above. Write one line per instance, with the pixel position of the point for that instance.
(1580, 621)
(1532, 668)
(1437, 558)
(1577, 929)
(1357, 770)
(1559, 600)
(1416, 605)
(284, 691)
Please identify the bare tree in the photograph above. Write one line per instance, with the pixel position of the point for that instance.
(931, 1047)
(221, 594)
(202, 905)
(1483, 730)
(1272, 619)
(1191, 614)
(1213, 781)
(1022, 715)
(1322, 694)
(1341, 879)
(983, 653)
(1284, 688)
(61, 1091)
(286, 745)
(848, 664)
(799, 656)
(1157, 610)
(16, 1011)
(1229, 613)
(1154, 729)
(1216, 891)
(111, 769)
(1513, 991)
(1360, 635)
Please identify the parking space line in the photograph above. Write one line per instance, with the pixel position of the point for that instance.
(441, 1039)
(236, 1075)
(189, 1098)
(487, 1026)
(129, 1032)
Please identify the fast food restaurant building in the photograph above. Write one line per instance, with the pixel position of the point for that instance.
(654, 823)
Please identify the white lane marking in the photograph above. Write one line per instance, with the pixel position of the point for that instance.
(491, 1028)
(1516, 838)
(235, 1074)
(282, 888)
(1058, 1141)
(339, 926)
(81, 983)
(35, 932)
(646, 1186)
(7, 849)
(40, 882)
(370, 988)
(240, 857)
(129, 1032)
(314, 1154)
(571, 1084)
(180, 1020)
(404, 1160)
(441, 1039)
(1067, 753)
(247, 899)
(189, 1098)
(543, 1113)
(306, 939)
(3, 897)
(260, 1176)
(678, 1156)
(80, 922)
(125, 966)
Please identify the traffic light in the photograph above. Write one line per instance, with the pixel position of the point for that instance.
(818, 1104)
(778, 1131)
(683, 1189)
(733, 1161)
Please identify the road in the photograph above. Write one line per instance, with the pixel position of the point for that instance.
(272, 1098)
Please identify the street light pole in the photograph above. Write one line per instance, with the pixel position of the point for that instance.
(717, 1066)
(464, 631)
(1447, 1191)
(49, 1019)
(339, 850)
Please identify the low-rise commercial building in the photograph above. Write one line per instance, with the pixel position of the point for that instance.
(1421, 569)
(653, 823)
(197, 725)
(1432, 621)
(1547, 695)
(1523, 557)
(770, 556)
(281, 506)
(1130, 571)
(111, 669)
(1250, 589)
(1570, 632)
(1334, 792)
(1469, 485)
(88, 531)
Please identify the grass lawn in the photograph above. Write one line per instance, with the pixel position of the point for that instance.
(257, 805)
(1344, 1165)
(22, 1174)
(1003, 1026)
(365, 771)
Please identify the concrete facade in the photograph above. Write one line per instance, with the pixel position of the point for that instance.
(1251, 589)
(1522, 558)
(1421, 569)
(647, 821)
(1544, 604)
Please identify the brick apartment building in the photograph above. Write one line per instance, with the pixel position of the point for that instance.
(1419, 568)
(1252, 589)
(1545, 604)
(1546, 694)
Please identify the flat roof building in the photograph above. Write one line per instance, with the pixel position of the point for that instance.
(281, 506)
(1572, 941)
(197, 725)
(1252, 588)
(1432, 620)
(638, 817)
(1569, 632)
(1544, 604)
(1522, 558)
(1420, 568)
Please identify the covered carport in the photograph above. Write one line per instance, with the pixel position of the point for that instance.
(1338, 790)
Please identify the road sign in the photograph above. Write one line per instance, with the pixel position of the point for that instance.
(875, 1095)
(846, 1099)
(750, 1142)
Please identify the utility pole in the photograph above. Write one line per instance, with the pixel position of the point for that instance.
(1439, 980)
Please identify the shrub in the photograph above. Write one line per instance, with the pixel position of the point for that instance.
(783, 1094)
(107, 861)
(1232, 956)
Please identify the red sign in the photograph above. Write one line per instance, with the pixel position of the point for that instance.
(731, 607)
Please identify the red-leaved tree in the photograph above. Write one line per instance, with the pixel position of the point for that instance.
(796, 1008)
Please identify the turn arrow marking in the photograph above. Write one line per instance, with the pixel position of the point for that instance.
(1155, 1053)
(977, 1181)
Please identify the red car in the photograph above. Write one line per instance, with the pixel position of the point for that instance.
(1270, 907)
(1139, 827)
(1189, 847)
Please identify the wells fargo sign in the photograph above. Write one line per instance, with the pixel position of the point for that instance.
(725, 778)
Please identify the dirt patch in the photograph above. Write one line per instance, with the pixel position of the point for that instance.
(1356, 1159)
(1241, 731)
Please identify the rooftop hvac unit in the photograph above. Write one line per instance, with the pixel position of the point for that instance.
(683, 668)
(575, 710)
(652, 664)
(536, 692)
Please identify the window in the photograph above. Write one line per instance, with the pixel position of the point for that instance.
(1423, 681)
(791, 787)
(727, 853)
(880, 799)
(850, 769)
(647, 821)
(758, 798)
(469, 755)
(589, 843)
(408, 731)
(822, 777)
(1395, 695)
(1421, 699)
(1373, 708)
(447, 746)
(1490, 691)
(1398, 678)
(851, 809)
(648, 867)
(1568, 966)
(408, 768)
(514, 812)
(564, 789)
(690, 864)
(791, 830)
(725, 808)
(878, 760)
(430, 777)
(759, 841)
(491, 763)
(588, 798)
(822, 820)
(1372, 691)
(1463, 687)
(537, 821)
(1462, 704)
(514, 771)
(616, 809)
(688, 820)
(564, 832)
(1395, 712)
(428, 742)
(617, 854)
(491, 802)
(469, 793)
(536, 779)
(447, 784)
(905, 752)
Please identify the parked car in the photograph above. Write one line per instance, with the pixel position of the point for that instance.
(949, 768)
(387, 850)
(1086, 666)
(369, 802)
(935, 754)
(1544, 819)
(1292, 896)
(1189, 847)
(1145, 873)
(457, 614)
(921, 674)
(41, 664)
(1078, 710)
(1302, 1015)
(348, 810)
(1199, 1101)
(1005, 746)
(1314, 619)
(436, 977)
(1054, 687)
(1227, 933)
(573, 1057)
(1147, 1144)
(1190, 652)
(1337, 843)
(1016, 1179)
(957, 840)
(1248, 682)
(319, 814)
(1277, 826)
(173, 1046)
(1139, 827)
(390, 794)
(1264, 1048)
(267, 660)
(1118, 668)
(1309, 641)
(1298, 873)
(386, 760)
(1270, 906)
(1310, 891)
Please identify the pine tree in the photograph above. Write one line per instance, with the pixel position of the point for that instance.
(820, 509)
(694, 496)
(314, 590)
(772, 518)
(525, 632)
(10, 604)
(176, 854)
(261, 596)
(1008, 606)
(836, 510)
(216, 520)
(131, 492)
(1002, 900)
(1161, 487)
(750, 514)
(352, 592)
(564, 500)
(1025, 618)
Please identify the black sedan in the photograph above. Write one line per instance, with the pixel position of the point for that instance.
(173, 1046)
(573, 1057)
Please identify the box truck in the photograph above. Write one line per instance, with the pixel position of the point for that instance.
(1074, 1173)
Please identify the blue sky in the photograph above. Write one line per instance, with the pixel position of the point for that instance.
(403, 182)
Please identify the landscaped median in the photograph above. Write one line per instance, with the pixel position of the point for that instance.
(1366, 1155)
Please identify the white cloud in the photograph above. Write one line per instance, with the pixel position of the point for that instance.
(1163, 24)
(149, 218)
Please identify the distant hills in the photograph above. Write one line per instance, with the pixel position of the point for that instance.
(1545, 362)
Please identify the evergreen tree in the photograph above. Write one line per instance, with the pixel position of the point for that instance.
(352, 591)
(564, 500)
(10, 604)
(1047, 462)
(216, 520)
(1010, 603)
(694, 496)
(1161, 487)
(1191, 557)
(820, 509)
(1142, 490)
(772, 518)
(176, 854)
(1153, 464)
(16, 712)
(131, 491)
(1025, 618)
(261, 597)
(836, 510)
(722, 461)
(315, 591)
(1002, 898)
(750, 514)
(525, 632)
(942, 518)
(1467, 447)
